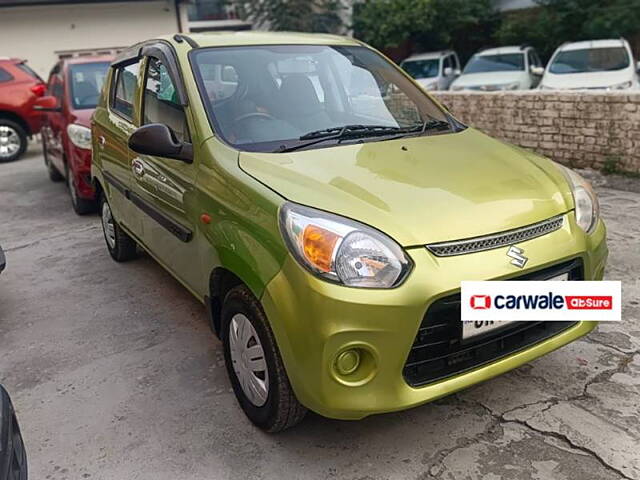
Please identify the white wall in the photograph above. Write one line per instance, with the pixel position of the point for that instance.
(35, 32)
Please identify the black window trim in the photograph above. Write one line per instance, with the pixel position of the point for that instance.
(116, 70)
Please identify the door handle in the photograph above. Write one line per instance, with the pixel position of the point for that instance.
(137, 167)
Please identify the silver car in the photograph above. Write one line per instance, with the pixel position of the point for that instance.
(433, 70)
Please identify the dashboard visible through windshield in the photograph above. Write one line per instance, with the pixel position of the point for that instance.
(274, 98)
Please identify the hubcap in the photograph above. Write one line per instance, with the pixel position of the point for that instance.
(249, 363)
(108, 226)
(9, 141)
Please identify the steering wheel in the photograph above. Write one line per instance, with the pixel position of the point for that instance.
(248, 116)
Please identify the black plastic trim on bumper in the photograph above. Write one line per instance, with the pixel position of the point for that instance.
(439, 352)
(3, 260)
(181, 232)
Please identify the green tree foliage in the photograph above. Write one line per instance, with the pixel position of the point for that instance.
(292, 15)
(559, 21)
(428, 24)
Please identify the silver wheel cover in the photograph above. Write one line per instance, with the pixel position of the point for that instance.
(248, 359)
(108, 226)
(9, 141)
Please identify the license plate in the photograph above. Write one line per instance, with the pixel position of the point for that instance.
(474, 328)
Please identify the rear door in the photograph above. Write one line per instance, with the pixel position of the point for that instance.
(164, 188)
(112, 127)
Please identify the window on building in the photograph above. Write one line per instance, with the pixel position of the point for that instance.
(160, 104)
(125, 89)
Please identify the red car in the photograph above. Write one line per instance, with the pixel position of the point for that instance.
(73, 91)
(20, 87)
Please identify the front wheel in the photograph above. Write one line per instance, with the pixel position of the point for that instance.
(254, 365)
(120, 245)
(13, 140)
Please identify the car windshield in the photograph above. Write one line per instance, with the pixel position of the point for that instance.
(422, 68)
(495, 63)
(264, 98)
(590, 60)
(86, 81)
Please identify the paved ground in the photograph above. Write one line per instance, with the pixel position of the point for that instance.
(115, 376)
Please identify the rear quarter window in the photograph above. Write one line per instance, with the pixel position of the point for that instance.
(5, 76)
(124, 86)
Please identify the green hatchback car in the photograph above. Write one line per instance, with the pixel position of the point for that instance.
(325, 209)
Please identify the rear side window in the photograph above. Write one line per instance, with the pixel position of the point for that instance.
(5, 76)
(124, 89)
(160, 104)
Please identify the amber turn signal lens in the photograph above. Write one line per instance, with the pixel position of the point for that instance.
(318, 245)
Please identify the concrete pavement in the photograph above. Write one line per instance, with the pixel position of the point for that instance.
(115, 375)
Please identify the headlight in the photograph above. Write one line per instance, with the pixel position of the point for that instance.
(431, 86)
(621, 86)
(510, 86)
(80, 136)
(587, 208)
(341, 250)
(457, 88)
(544, 87)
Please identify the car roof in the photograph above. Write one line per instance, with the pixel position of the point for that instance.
(11, 60)
(428, 55)
(87, 59)
(253, 37)
(503, 50)
(593, 44)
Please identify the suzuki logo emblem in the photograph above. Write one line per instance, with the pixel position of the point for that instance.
(519, 260)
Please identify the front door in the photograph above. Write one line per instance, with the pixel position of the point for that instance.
(54, 124)
(164, 188)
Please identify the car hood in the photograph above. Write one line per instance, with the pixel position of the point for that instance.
(489, 78)
(586, 80)
(421, 189)
(82, 117)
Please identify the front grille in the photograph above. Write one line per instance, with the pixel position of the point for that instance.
(438, 350)
(488, 242)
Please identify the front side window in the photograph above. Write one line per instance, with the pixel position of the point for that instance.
(85, 82)
(422, 68)
(495, 63)
(126, 85)
(278, 94)
(160, 103)
(590, 60)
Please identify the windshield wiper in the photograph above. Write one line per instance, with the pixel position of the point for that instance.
(363, 131)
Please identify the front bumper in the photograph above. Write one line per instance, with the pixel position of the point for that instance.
(80, 166)
(315, 321)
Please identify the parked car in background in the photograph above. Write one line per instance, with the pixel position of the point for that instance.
(433, 70)
(331, 274)
(73, 91)
(504, 68)
(3, 260)
(13, 455)
(594, 64)
(20, 87)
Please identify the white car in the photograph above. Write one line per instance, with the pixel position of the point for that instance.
(595, 64)
(504, 68)
(433, 70)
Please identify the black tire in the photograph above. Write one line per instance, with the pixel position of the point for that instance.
(81, 206)
(122, 247)
(9, 127)
(13, 456)
(54, 174)
(282, 409)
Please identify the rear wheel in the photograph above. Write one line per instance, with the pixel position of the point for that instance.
(13, 140)
(120, 245)
(81, 206)
(254, 365)
(54, 174)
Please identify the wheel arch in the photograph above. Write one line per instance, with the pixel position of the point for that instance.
(14, 117)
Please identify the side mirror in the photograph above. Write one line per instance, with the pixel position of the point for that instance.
(448, 71)
(538, 71)
(47, 104)
(158, 140)
(13, 456)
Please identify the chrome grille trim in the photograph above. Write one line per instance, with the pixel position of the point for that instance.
(497, 240)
